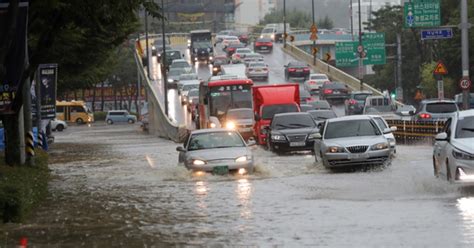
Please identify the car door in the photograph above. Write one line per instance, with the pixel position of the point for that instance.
(440, 147)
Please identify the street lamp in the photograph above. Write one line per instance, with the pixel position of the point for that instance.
(163, 58)
(314, 41)
(360, 49)
(284, 23)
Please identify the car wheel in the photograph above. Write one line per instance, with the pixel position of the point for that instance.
(131, 121)
(60, 128)
(79, 121)
(448, 172)
(435, 168)
(110, 122)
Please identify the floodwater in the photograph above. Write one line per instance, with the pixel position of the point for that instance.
(115, 186)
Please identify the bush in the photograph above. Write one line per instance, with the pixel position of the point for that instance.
(22, 187)
(100, 116)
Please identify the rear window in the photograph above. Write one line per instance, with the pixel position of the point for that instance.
(257, 65)
(269, 111)
(441, 107)
(379, 102)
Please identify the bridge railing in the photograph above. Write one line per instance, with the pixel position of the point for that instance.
(415, 131)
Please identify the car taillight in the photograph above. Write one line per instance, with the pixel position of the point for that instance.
(352, 102)
(291, 69)
(269, 44)
(425, 116)
(327, 91)
(306, 69)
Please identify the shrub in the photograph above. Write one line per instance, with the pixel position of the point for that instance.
(99, 116)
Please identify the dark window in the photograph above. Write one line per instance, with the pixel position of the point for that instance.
(380, 123)
(77, 109)
(60, 109)
(465, 128)
(215, 140)
(292, 121)
(269, 111)
(323, 115)
(441, 107)
(228, 97)
(360, 97)
(353, 128)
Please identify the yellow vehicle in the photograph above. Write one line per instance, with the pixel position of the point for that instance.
(74, 111)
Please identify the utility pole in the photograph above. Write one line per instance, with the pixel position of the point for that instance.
(399, 89)
(360, 51)
(164, 76)
(146, 45)
(284, 23)
(314, 41)
(352, 21)
(465, 50)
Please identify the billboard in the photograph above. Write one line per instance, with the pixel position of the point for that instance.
(47, 77)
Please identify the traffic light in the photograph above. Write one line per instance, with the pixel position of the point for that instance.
(393, 94)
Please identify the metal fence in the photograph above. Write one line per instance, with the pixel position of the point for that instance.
(415, 131)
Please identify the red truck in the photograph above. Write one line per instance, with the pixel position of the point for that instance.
(269, 100)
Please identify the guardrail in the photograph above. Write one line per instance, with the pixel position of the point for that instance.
(415, 131)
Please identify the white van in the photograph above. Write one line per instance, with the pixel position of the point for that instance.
(379, 104)
(234, 69)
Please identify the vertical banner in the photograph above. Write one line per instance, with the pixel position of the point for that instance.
(15, 57)
(47, 78)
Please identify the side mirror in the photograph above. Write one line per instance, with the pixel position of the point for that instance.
(441, 137)
(393, 128)
(180, 149)
(257, 117)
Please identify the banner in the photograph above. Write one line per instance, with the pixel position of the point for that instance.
(47, 78)
(16, 55)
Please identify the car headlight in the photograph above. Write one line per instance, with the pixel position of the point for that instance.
(195, 50)
(214, 68)
(273, 36)
(153, 47)
(189, 41)
(212, 125)
(379, 146)
(278, 137)
(198, 162)
(261, 36)
(170, 80)
(210, 57)
(241, 159)
(462, 155)
(335, 149)
(230, 125)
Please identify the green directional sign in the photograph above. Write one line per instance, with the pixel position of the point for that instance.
(422, 13)
(373, 47)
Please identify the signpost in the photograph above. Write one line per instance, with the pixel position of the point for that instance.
(372, 51)
(438, 72)
(465, 83)
(422, 13)
(436, 34)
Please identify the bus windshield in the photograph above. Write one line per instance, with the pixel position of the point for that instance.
(223, 98)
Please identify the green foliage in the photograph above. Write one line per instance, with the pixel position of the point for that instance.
(325, 23)
(99, 116)
(124, 72)
(296, 18)
(22, 187)
(429, 84)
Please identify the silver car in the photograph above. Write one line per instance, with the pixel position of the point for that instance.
(351, 140)
(453, 151)
(257, 70)
(216, 150)
(315, 81)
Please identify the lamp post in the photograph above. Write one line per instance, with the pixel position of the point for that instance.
(163, 58)
(352, 21)
(314, 41)
(146, 45)
(284, 23)
(361, 51)
(465, 50)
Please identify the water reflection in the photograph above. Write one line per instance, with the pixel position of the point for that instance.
(466, 209)
(244, 193)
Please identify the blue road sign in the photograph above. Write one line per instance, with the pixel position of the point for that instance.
(437, 33)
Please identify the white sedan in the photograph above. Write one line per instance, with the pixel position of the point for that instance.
(58, 125)
(453, 151)
(257, 70)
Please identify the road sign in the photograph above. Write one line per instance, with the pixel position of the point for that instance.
(465, 83)
(436, 34)
(422, 13)
(313, 36)
(440, 89)
(373, 51)
(327, 56)
(315, 50)
(292, 38)
(440, 69)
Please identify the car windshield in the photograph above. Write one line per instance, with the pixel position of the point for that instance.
(190, 86)
(239, 114)
(465, 128)
(243, 50)
(323, 114)
(269, 111)
(214, 140)
(350, 128)
(181, 64)
(267, 30)
(292, 121)
(441, 107)
(175, 72)
(220, 61)
(202, 44)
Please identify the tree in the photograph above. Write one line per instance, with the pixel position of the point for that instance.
(325, 23)
(296, 19)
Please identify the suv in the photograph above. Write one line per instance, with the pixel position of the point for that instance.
(120, 116)
(436, 110)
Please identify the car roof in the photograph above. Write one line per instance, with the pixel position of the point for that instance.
(361, 92)
(123, 110)
(298, 63)
(240, 109)
(291, 114)
(350, 118)
(317, 74)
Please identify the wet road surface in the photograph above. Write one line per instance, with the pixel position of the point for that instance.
(116, 186)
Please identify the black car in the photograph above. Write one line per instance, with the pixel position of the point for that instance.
(170, 56)
(230, 49)
(305, 96)
(291, 132)
(263, 45)
(321, 115)
(297, 70)
(334, 91)
(306, 107)
(217, 63)
(355, 104)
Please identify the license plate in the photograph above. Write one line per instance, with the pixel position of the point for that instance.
(220, 170)
(297, 143)
(299, 70)
(263, 48)
(258, 70)
(358, 155)
(245, 129)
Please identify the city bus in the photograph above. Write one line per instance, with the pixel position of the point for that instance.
(220, 94)
(74, 111)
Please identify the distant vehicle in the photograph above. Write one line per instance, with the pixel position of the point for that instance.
(297, 69)
(201, 48)
(334, 91)
(320, 104)
(340, 31)
(458, 100)
(322, 115)
(74, 111)
(306, 107)
(114, 116)
(269, 100)
(257, 70)
(157, 47)
(238, 70)
(58, 125)
(453, 151)
(263, 45)
(159, 51)
(436, 110)
(383, 125)
(240, 119)
(315, 81)
(305, 97)
(218, 95)
(351, 140)
(242, 52)
(243, 37)
(230, 40)
(173, 76)
(230, 49)
(170, 56)
(216, 150)
(269, 33)
(217, 63)
(192, 102)
(291, 132)
(252, 57)
(275, 31)
(354, 105)
(222, 34)
(182, 63)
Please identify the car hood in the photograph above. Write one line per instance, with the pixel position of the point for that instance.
(218, 153)
(357, 140)
(296, 131)
(465, 144)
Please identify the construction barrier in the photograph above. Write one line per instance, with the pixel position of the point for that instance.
(415, 131)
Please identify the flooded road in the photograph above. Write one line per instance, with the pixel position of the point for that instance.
(115, 186)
